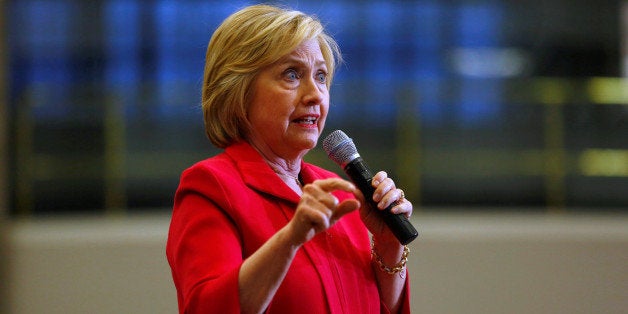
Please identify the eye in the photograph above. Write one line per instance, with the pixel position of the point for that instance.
(291, 75)
(321, 77)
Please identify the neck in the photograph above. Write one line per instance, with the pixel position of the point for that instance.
(289, 175)
(288, 165)
(287, 169)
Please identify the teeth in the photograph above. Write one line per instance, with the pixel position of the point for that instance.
(307, 120)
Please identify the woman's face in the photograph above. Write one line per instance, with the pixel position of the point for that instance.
(290, 102)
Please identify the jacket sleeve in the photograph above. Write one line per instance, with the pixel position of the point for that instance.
(203, 246)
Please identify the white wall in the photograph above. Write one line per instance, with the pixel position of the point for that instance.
(521, 264)
(485, 264)
(90, 266)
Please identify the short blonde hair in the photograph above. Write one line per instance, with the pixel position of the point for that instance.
(246, 42)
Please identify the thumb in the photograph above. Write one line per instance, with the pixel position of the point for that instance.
(344, 208)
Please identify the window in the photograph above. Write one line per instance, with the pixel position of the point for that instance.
(468, 104)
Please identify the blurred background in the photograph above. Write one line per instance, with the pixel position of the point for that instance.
(505, 122)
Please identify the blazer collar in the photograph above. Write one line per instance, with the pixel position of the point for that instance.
(257, 174)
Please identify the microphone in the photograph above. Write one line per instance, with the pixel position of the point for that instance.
(340, 148)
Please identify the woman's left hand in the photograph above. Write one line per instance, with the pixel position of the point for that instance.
(386, 193)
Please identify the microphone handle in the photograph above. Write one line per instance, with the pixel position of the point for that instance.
(399, 224)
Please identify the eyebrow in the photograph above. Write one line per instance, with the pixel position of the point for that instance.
(293, 59)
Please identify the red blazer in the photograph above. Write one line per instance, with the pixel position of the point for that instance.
(227, 206)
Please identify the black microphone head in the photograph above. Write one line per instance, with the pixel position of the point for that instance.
(340, 148)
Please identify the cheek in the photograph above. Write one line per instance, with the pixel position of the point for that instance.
(321, 126)
(269, 109)
(323, 117)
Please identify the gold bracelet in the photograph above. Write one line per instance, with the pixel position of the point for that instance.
(391, 270)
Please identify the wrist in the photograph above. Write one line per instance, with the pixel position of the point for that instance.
(289, 237)
(399, 256)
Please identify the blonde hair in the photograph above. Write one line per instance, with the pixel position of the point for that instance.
(245, 42)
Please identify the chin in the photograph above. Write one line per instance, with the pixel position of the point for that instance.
(311, 142)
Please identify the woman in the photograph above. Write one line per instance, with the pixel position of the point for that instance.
(255, 228)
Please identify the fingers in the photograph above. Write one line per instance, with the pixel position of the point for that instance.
(385, 190)
(344, 208)
(333, 184)
(318, 199)
(402, 206)
(318, 195)
(386, 193)
(319, 209)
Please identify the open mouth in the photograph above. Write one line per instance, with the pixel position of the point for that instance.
(306, 120)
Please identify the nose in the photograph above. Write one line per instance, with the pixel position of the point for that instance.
(313, 92)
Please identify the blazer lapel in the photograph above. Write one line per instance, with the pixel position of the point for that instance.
(257, 174)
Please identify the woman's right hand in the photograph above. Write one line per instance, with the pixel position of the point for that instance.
(318, 209)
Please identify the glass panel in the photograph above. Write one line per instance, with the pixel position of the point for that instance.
(468, 104)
